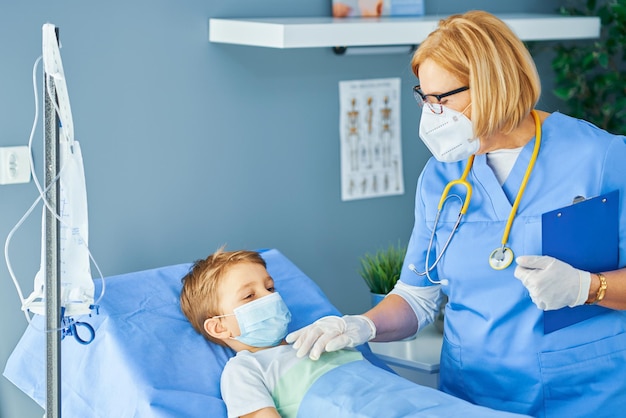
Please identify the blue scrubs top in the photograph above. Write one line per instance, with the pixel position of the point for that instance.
(495, 352)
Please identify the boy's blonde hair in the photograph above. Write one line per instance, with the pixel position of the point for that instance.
(483, 53)
(199, 295)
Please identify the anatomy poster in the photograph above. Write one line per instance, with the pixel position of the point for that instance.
(371, 151)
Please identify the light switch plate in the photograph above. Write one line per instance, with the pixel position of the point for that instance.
(14, 165)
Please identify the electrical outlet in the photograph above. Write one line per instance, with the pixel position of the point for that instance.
(14, 165)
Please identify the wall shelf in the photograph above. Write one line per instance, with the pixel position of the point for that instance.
(331, 32)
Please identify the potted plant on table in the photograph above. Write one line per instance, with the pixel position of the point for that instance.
(381, 270)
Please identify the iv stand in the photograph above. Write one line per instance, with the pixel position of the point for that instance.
(52, 250)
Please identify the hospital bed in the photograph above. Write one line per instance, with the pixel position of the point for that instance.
(147, 361)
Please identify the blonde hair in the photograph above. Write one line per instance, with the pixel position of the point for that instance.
(199, 295)
(483, 53)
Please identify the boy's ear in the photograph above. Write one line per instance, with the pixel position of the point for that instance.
(214, 327)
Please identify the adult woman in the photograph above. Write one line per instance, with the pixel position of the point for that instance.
(478, 87)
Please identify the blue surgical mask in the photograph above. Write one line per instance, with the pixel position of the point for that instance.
(263, 322)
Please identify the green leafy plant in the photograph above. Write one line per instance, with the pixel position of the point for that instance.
(591, 75)
(381, 270)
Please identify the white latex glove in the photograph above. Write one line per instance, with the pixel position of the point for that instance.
(552, 284)
(332, 333)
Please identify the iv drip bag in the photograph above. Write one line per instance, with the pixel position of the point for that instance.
(76, 284)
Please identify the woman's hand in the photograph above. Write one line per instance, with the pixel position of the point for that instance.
(552, 284)
(332, 333)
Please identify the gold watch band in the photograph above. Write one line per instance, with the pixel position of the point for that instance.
(601, 290)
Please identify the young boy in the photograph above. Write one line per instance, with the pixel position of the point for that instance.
(230, 299)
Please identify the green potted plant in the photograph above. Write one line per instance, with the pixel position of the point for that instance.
(381, 270)
(591, 75)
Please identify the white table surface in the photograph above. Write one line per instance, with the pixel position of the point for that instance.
(421, 353)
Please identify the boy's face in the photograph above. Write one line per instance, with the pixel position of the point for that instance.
(242, 283)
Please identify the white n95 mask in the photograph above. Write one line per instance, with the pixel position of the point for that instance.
(263, 322)
(449, 136)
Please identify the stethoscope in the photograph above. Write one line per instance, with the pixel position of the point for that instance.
(501, 257)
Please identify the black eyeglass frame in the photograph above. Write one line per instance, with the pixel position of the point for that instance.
(422, 98)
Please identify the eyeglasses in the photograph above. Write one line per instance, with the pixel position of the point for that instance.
(434, 100)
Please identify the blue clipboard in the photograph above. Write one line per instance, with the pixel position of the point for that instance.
(585, 235)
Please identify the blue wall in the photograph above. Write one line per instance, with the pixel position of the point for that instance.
(189, 145)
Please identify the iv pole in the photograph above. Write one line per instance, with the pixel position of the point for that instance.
(52, 251)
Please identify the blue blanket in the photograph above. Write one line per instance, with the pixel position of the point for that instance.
(360, 390)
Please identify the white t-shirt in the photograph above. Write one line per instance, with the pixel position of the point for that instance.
(274, 377)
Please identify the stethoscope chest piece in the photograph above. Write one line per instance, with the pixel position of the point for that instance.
(501, 258)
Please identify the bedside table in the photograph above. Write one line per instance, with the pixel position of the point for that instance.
(416, 359)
